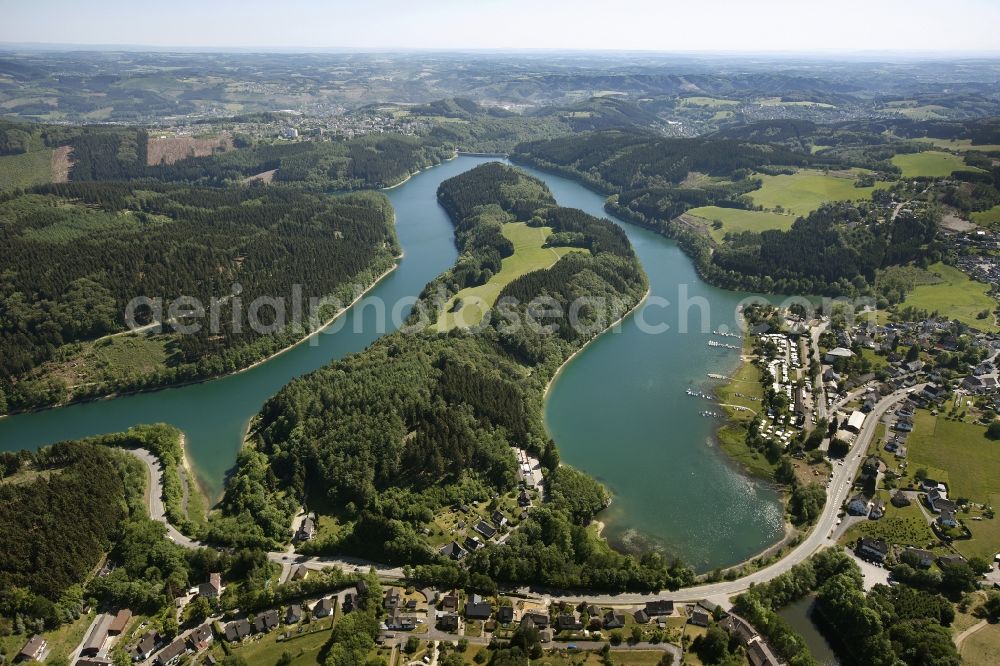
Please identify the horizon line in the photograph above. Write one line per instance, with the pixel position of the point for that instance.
(852, 54)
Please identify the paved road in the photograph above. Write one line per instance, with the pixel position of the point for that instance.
(822, 534)
(819, 537)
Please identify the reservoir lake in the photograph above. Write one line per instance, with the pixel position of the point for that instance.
(618, 410)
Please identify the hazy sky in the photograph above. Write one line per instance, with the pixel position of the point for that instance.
(660, 25)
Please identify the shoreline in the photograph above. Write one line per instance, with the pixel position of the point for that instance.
(202, 380)
(562, 366)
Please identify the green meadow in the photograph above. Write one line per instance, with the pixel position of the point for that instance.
(930, 164)
(529, 255)
(806, 190)
(735, 220)
(957, 296)
(987, 218)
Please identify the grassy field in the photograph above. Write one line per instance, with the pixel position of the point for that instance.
(958, 453)
(529, 255)
(985, 542)
(905, 525)
(983, 647)
(987, 218)
(710, 102)
(930, 164)
(735, 220)
(26, 170)
(957, 296)
(732, 436)
(133, 355)
(61, 642)
(806, 190)
(304, 648)
(959, 144)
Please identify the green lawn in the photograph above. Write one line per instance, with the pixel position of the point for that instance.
(25, 170)
(930, 164)
(985, 542)
(956, 296)
(304, 647)
(957, 452)
(806, 190)
(983, 647)
(529, 255)
(736, 220)
(987, 218)
(905, 525)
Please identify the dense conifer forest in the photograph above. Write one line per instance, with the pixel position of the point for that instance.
(74, 255)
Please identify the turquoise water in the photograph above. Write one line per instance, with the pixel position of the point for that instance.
(618, 411)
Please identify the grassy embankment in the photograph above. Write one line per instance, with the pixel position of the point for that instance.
(744, 380)
(529, 255)
(797, 194)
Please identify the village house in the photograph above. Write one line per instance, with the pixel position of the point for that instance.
(613, 620)
(875, 550)
(293, 614)
(641, 616)
(487, 530)
(449, 603)
(34, 649)
(918, 557)
(659, 607)
(448, 622)
(201, 638)
(323, 608)
(858, 505)
(121, 621)
(146, 646)
(505, 614)
(877, 510)
(498, 519)
(238, 630)
(266, 621)
(535, 619)
(453, 551)
(899, 499)
(172, 653)
(478, 609)
(307, 529)
(700, 617)
(393, 599)
(213, 588)
(568, 622)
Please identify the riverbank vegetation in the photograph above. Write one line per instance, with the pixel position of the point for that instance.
(75, 255)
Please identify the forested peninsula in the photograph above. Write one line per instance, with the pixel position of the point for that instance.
(389, 439)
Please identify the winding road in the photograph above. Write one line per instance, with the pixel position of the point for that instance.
(821, 535)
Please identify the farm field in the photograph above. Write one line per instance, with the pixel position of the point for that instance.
(930, 164)
(735, 220)
(707, 101)
(957, 295)
(25, 170)
(806, 190)
(958, 453)
(529, 255)
(959, 144)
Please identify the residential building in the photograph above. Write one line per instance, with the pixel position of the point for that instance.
(172, 653)
(323, 608)
(293, 614)
(34, 649)
(213, 588)
(146, 646)
(121, 620)
(873, 549)
(613, 620)
(659, 607)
